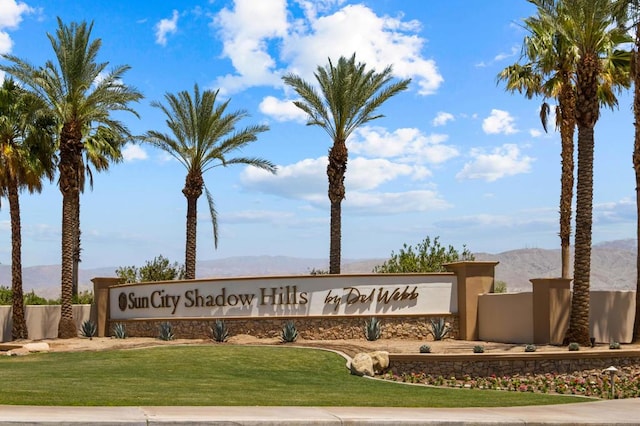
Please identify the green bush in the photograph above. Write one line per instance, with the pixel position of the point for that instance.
(478, 349)
(6, 297)
(614, 345)
(158, 269)
(500, 287)
(573, 346)
(530, 348)
(427, 256)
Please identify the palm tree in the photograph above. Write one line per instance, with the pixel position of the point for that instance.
(203, 134)
(549, 71)
(83, 94)
(350, 95)
(627, 12)
(586, 25)
(27, 146)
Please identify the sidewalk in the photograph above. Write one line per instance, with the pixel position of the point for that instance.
(617, 412)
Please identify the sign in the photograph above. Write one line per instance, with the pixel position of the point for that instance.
(319, 295)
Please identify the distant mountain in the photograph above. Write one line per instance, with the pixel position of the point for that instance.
(612, 267)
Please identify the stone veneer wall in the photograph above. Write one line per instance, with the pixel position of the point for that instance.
(486, 365)
(308, 328)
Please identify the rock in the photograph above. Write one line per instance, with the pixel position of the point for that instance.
(37, 347)
(362, 365)
(380, 361)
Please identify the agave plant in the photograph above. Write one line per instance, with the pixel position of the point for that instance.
(425, 349)
(166, 331)
(289, 332)
(219, 331)
(530, 348)
(119, 331)
(372, 329)
(88, 329)
(438, 328)
(478, 349)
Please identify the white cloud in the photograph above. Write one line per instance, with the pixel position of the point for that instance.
(535, 133)
(166, 26)
(407, 145)
(10, 18)
(281, 110)
(502, 161)
(251, 28)
(307, 179)
(502, 56)
(499, 122)
(133, 152)
(245, 31)
(395, 202)
(442, 118)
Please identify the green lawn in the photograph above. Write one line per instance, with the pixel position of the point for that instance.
(222, 375)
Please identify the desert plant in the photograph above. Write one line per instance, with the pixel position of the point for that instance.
(530, 348)
(372, 329)
(119, 331)
(88, 329)
(478, 349)
(574, 346)
(500, 287)
(438, 328)
(614, 345)
(166, 331)
(425, 349)
(219, 331)
(289, 332)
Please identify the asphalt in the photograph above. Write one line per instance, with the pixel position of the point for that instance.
(613, 412)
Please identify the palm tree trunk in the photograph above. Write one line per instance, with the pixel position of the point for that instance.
(192, 191)
(19, 328)
(587, 109)
(190, 249)
(636, 168)
(336, 170)
(70, 161)
(567, 126)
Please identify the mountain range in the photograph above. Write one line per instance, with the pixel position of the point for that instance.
(612, 268)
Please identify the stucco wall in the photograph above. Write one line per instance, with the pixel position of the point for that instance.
(42, 320)
(611, 316)
(506, 317)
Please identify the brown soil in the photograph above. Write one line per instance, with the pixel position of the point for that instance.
(349, 347)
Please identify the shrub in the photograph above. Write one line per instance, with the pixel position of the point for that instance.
(88, 329)
(500, 287)
(438, 328)
(428, 256)
(119, 331)
(372, 329)
(5, 296)
(478, 349)
(530, 348)
(425, 349)
(614, 345)
(166, 331)
(83, 298)
(289, 332)
(219, 331)
(573, 346)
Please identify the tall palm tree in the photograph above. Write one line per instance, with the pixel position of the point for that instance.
(586, 25)
(627, 14)
(27, 147)
(203, 135)
(83, 94)
(549, 71)
(350, 95)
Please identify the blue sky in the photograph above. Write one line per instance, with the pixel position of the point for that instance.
(454, 156)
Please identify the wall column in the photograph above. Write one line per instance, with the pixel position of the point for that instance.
(551, 307)
(101, 302)
(474, 278)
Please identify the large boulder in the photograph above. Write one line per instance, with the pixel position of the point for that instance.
(362, 365)
(380, 361)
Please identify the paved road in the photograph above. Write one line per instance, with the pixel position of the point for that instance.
(618, 412)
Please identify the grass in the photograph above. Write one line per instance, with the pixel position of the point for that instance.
(222, 375)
